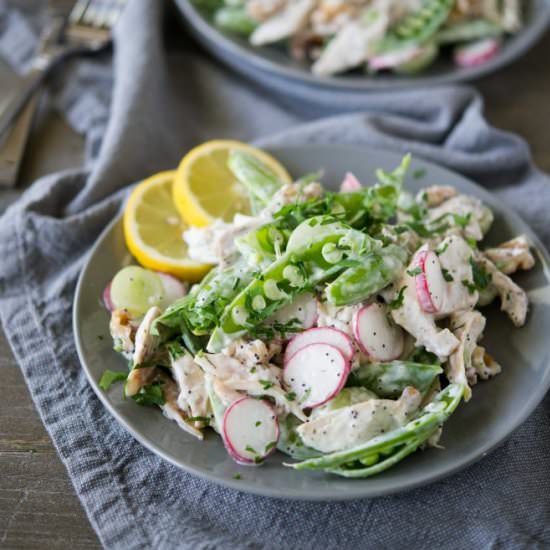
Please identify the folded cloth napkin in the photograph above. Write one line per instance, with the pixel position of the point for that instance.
(164, 101)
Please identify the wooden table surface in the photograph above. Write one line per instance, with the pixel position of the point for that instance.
(38, 506)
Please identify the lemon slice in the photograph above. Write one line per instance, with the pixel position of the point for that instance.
(204, 187)
(153, 229)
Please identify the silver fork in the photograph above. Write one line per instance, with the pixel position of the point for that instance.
(86, 30)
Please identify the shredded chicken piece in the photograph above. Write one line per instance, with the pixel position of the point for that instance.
(455, 260)
(254, 352)
(284, 23)
(438, 194)
(145, 347)
(192, 398)
(512, 255)
(513, 298)
(260, 10)
(483, 366)
(353, 44)
(122, 331)
(339, 317)
(350, 426)
(468, 327)
(479, 217)
(171, 408)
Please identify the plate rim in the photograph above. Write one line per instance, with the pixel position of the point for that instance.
(222, 45)
(324, 495)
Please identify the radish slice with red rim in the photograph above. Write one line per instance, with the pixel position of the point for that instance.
(321, 335)
(107, 302)
(430, 282)
(476, 53)
(376, 335)
(315, 374)
(174, 289)
(250, 430)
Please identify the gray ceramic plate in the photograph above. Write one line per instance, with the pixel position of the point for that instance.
(269, 63)
(497, 408)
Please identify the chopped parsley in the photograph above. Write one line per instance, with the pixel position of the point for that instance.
(275, 329)
(175, 349)
(151, 394)
(203, 419)
(109, 377)
(441, 249)
(397, 302)
(290, 396)
(447, 275)
(419, 173)
(258, 423)
(482, 279)
(270, 446)
(250, 450)
(266, 384)
(237, 476)
(414, 272)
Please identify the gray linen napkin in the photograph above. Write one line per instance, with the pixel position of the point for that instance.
(163, 102)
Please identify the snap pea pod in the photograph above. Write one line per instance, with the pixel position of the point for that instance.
(317, 250)
(260, 181)
(371, 274)
(410, 436)
(468, 31)
(422, 24)
(377, 465)
(388, 380)
(235, 20)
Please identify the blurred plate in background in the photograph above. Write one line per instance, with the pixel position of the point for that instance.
(272, 64)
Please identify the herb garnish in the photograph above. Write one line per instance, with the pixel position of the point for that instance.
(447, 275)
(266, 384)
(151, 394)
(109, 377)
(414, 272)
(397, 302)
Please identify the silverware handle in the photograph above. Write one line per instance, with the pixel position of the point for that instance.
(26, 90)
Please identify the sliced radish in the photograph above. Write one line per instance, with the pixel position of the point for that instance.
(376, 335)
(174, 289)
(250, 430)
(107, 302)
(321, 335)
(430, 283)
(476, 53)
(350, 184)
(316, 373)
(303, 308)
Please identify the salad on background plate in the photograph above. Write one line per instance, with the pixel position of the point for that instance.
(341, 328)
(402, 36)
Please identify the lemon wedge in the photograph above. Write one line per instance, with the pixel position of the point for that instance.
(204, 187)
(153, 229)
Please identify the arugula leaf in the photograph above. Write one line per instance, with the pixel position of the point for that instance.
(109, 377)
